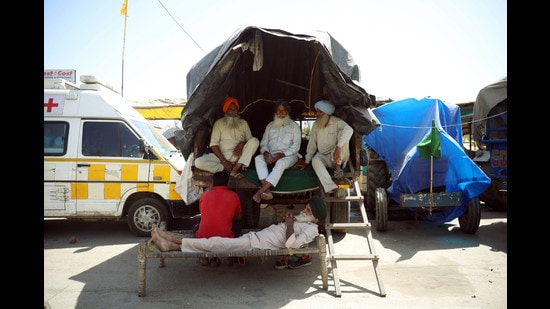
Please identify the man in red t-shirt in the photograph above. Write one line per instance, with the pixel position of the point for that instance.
(220, 210)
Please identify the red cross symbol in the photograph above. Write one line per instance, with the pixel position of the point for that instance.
(50, 105)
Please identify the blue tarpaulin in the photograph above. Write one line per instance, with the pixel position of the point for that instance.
(403, 126)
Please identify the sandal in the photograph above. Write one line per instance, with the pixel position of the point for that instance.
(239, 262)
(229, 261)
(215, 262)
(204, 261)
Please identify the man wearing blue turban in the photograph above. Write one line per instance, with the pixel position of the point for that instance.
(328, 146)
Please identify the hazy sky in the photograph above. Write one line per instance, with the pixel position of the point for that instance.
(446, 49)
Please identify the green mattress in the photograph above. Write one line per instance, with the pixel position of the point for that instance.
(293, 180)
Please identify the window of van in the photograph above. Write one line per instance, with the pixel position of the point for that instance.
(55, 138)
(113, 139)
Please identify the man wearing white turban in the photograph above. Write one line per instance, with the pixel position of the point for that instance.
(328, 146)
(279, 148)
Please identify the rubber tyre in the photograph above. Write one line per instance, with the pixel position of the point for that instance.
(144, 213)
(495, 196)
(381, 210)
(339, 213)
(469, 221)
(377, 177)
(251, 209)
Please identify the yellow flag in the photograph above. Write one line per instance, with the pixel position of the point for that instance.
(124, 10)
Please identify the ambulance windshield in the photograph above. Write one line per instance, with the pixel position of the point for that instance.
(155, 139)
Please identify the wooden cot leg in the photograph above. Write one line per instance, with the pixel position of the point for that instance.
(322, 245)
(142, 267)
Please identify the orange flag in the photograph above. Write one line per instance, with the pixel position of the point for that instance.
(124, 9)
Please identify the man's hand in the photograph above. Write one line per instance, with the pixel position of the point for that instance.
(227, 166)
(337, 157)
(238, 150)
(276, 157)
(288, 218)
(267, 158)
(301, 164)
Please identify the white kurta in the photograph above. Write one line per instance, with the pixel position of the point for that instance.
(272, 237)
(227, 139)
(320, 148)
(284, 139)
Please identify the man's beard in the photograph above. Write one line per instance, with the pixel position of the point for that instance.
(323, 119)
(302, 217)
(231, 121)
(280, 121)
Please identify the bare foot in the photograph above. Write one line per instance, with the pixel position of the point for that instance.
(338, 173)
(262, 195)
(267, 195)
(236, 175)
(235, 172)
(163, 234)
(258, 196)
(161, 243)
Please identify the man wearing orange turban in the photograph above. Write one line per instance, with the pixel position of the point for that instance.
(231, 143)
(228, 102)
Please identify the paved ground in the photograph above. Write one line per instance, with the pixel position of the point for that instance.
(422, 265)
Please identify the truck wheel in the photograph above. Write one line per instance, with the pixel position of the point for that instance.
(251, 209)
(496, 196)
(381, 210)
(339, 213)
(377, 177)
(469, 221)
(144, 213)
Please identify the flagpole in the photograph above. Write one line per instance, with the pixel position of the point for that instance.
(430, 144)
(124, 11)
(431, 183)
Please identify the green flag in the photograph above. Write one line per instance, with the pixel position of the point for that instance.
(431, 144)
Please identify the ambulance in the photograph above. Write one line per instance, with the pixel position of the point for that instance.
(104, 161)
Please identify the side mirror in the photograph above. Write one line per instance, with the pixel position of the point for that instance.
(142, 146)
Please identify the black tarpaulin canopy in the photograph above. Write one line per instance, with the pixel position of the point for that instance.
(257, 66)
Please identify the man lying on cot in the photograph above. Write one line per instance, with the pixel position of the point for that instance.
(291, 233)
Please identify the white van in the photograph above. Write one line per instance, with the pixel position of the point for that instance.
(104, 160)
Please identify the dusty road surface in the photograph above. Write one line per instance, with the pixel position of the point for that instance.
(422, 265)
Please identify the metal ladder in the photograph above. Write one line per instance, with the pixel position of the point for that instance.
(353, 195)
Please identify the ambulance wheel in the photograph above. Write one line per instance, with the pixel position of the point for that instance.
(469, 220)
(144, 213)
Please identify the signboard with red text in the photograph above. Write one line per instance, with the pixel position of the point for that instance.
(69, 75)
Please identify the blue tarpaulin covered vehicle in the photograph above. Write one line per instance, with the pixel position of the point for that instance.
(417, 158)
